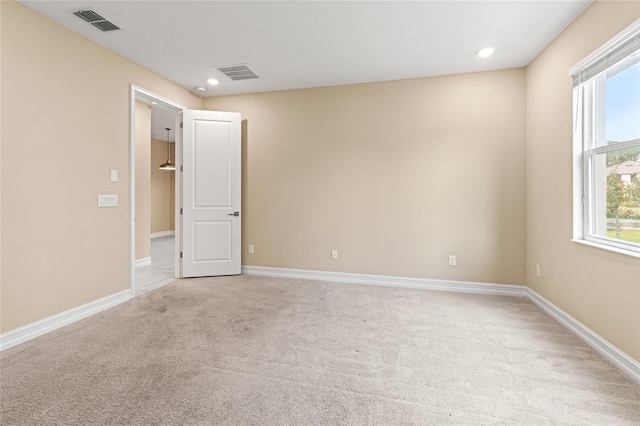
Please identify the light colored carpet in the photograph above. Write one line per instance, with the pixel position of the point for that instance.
(267, 351)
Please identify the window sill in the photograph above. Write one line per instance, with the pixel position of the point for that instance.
(608, 248)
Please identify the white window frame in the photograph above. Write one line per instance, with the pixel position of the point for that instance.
(589, 77)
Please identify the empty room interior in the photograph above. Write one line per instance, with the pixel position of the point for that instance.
(319, 212)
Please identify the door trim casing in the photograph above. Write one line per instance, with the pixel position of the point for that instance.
(135, 91)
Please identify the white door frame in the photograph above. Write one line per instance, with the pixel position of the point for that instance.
(133, 93)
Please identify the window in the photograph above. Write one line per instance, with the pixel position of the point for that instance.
(607, 144)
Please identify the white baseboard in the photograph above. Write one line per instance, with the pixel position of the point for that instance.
(618, 358)
(145, 261)
(33, 330)
(162, 234)
(388, 281)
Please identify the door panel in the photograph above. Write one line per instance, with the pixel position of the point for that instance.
(204, 233)
(211, 156)
(210, 193)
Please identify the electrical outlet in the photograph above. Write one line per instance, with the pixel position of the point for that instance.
(537, 270)
(334, 254)
(452, 260)
(250, 249)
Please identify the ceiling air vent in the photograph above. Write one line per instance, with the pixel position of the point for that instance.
(238, 72)
(89, 15)
(96, 20)
(105, 26)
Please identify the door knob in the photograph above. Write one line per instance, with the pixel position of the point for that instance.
(234, 214)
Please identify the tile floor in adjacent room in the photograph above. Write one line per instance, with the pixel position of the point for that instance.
(162, 268)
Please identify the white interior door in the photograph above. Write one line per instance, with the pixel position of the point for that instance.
(210, 193)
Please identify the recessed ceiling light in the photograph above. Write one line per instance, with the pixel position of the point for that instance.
(154, 103)
(200, 89)
(485, 52)
(213, 82)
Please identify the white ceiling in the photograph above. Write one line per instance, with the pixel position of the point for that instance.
(297, 44)
(163, 117)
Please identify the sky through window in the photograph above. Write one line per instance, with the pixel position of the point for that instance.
(623, 105)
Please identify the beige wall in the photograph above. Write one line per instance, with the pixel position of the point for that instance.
(143, 181)
(598, 288)
(394, 175)
(65, 106)
(162, 188)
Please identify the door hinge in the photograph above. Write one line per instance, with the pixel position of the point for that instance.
(180, 211)
(181, 125)
(584, 199)
(180, 255)
(180, 168)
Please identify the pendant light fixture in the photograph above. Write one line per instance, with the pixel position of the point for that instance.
(168, 165)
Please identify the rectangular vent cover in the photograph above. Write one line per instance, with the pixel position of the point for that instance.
(96, 20)
(238, 72)
(89, 15)
(105, 26)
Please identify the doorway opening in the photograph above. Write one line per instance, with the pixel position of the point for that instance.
(155, 237)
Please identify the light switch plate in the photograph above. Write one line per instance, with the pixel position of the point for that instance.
(114, 175)
(107, 200)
